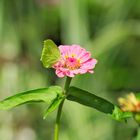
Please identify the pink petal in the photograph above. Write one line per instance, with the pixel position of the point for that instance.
(86, 56)
(90, 64)
(77, 71)
(59, 73)
(70, 73)
(90, 71)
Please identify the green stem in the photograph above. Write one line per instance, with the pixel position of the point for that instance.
(57, 123)
(67, 84)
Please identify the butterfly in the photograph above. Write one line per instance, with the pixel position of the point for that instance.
(50, 53)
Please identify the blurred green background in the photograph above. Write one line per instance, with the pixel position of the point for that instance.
(110, 29)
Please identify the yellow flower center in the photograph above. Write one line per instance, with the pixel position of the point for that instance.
(72, 63)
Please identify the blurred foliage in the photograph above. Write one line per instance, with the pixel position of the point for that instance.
(110, 29)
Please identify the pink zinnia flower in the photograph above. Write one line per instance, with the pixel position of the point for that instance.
(74, 60)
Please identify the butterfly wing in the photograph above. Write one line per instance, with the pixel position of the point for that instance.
(50, 53)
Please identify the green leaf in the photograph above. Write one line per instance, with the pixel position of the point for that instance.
(120, 115)
(88, 99)
(50, 53)
(46, 95)
(55, 103)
